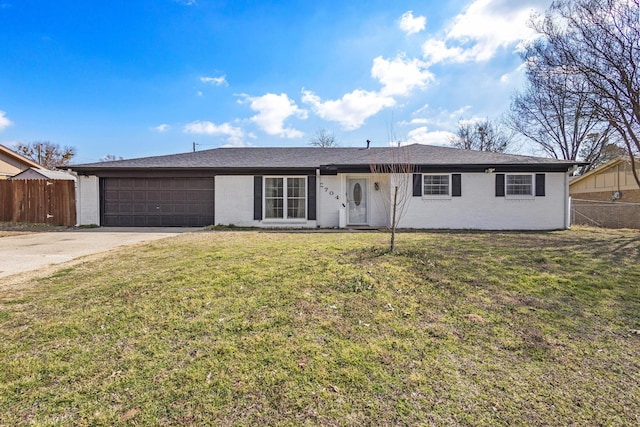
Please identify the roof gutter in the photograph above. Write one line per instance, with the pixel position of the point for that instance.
(334, 169)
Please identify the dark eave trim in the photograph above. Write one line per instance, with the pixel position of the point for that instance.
(143, 172)
(200, 172)
(453, 168)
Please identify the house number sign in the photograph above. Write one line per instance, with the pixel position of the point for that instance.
(327, 190)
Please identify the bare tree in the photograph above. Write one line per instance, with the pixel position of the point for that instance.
(483, 135)
(394, 174)
(47, 154)
(608, 152)
(323, 138)
(111, 158)
(555, 111)
(598, 42)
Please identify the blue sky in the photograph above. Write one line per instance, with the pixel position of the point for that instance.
(141, 78)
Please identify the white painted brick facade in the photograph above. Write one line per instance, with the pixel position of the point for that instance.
(477, 208)
(88, 200)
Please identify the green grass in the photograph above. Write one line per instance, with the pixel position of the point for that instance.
(250, 328)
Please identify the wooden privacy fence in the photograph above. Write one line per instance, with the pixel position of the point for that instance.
(38, 201)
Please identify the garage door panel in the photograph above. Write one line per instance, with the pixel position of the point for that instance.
(138, 221)
(154, 221)
(122, 183)
(166, 209)
(124, 208)
(157, 202)
(152, 195)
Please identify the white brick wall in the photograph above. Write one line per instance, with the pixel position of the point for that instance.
(234, 205)
(88, 200)
(479, 208)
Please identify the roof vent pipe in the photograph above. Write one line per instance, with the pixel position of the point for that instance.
(368, 144)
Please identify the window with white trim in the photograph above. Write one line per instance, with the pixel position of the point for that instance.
(519, 185)
(436, 185)
(285, 198)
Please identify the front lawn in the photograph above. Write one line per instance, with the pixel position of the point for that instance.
(250, 328)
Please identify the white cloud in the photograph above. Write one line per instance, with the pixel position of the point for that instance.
(515, 76)
(482, 29)
(422, 135)
(235, 135)
(4, 121)
(425, 107)
(272, 111)
(440, 118)
(416, 121)
(436, 51)
(161, 128)
(460, 111)
(352, 109)
(471, 121)
(217, 81)
(186, 2)
(410, 24)
(400, 75)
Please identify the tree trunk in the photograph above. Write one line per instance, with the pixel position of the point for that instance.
(393, 219)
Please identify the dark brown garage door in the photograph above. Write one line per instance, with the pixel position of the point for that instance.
(153, 202)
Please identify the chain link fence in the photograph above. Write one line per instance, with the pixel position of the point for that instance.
(605, 214)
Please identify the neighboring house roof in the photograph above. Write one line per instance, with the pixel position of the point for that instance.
(38, 173)
(335, 159)
(12, 162)
(614, 175)
(610, 164)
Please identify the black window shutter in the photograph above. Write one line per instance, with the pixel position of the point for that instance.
(311, 197)
(456, 185)
(417, 184)
(257, 198)
(539, 184)
(499, 185)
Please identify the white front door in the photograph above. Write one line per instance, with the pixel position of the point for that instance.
(357, 201)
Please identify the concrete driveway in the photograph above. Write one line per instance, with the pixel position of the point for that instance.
(28, 252)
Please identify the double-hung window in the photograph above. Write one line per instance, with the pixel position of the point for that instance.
(436, 185)
(519, 185)
(285, 198)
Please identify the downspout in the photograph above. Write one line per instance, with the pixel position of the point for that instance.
(567, 198)
(318, 204)
(567, 202)
(77, 196)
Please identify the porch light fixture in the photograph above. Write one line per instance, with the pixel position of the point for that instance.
(376, 186)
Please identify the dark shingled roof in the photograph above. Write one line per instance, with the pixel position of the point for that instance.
(311, 158)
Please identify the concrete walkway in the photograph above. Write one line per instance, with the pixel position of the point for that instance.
(28, 252)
